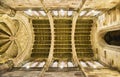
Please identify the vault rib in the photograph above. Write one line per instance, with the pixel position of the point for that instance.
(75, 17)
(50, 56)
(74, 53)
(75, 59)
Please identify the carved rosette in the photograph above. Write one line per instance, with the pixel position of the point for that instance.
(14, 38)
(8, 45)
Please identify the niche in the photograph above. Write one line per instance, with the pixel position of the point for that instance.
(112, 62)
(96, 50)
(105, 54)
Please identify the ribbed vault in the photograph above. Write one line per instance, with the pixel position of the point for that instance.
(14, 39)
(8, 35)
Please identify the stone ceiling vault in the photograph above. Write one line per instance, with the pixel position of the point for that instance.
(74, 4)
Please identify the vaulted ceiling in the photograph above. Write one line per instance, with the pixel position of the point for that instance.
(74, 4)
(61, 7)
(63, 30)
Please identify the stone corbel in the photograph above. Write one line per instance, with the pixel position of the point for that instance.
(5, 9)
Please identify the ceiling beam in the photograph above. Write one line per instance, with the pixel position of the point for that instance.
(50, 56)
(41, 8)
(74, 53)
(38, 8)
(75, 17)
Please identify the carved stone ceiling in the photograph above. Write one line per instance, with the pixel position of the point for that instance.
(74, 4)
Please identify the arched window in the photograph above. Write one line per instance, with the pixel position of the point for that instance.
(41, 64)
(55, 64)
(62, 64)
(112, 37)
(83, 64)
(34, 64)
(70, 64)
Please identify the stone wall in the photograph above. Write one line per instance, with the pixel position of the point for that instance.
(108, 54)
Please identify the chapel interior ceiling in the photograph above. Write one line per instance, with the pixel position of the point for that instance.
(60, 8)
(74, 4)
